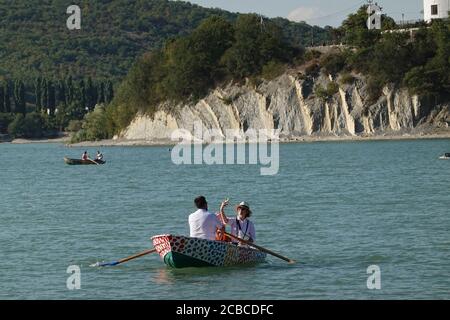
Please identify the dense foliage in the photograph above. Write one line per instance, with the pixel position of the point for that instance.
(34, 40)
(186, 68)
(46, 106)
(38, 53)
(419, 62)
(174, 51)
(217, 51)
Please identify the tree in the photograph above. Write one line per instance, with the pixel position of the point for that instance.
(255, 45)
(193, 63)
(19, 97)
(44, 95)
(2, 98)
(356, 31)
(33, 125)
(38, 94)
(7, 97)
(82, 96)
(431, 50)
(16, 127)
(69, 90)
(95, 124)
(5, 120)
(51, 98)
(91, 94)
(101, 93)
(333, 63)
(61, 93)
(109, 92)
(440, 63)
(390, 58)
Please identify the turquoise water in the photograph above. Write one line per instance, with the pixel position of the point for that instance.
(336, 208)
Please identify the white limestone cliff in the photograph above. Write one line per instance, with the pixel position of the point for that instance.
(289, 104)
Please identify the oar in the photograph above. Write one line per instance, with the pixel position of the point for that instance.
(93, 161)
(259, 248)
(115, 263)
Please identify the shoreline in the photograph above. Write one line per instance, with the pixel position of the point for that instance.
(313, 139)
(169, 143)
(39, 141)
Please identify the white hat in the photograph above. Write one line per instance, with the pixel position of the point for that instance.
(245, 205)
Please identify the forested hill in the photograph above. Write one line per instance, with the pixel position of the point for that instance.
(34, 39)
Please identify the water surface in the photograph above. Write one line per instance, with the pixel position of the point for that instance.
(336, 208)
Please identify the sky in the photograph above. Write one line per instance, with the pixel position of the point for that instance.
(316, 12)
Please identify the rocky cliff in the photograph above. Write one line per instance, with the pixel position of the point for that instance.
(290, 104)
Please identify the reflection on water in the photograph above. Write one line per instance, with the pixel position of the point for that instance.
(167, 275)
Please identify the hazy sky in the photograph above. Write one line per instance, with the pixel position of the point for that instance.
(317, 12)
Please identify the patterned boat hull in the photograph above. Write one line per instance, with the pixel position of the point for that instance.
(185, 252)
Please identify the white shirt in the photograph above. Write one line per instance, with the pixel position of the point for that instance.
(242, 229)
(203, 224)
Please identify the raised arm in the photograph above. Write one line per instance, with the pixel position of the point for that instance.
(222, 215)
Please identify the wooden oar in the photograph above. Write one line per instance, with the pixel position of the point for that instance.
(115, 263)
(93, 161)
(259, 248)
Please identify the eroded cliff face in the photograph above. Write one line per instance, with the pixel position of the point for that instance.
(289, 103)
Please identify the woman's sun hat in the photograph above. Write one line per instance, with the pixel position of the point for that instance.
(244, 205)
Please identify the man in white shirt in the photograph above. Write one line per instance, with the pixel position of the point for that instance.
(202, 223)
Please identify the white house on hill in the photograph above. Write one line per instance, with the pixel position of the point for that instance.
(435, 9)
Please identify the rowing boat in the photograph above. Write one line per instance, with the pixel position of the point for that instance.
(445, 157)
(185, 252)
(82, 162)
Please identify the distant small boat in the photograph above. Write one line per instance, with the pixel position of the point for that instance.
(445, 157)
(82, 162)
(186, 252)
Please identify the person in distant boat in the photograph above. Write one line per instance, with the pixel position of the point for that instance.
(99, 156)
(85, 156)
(241, 226)
(202, 223)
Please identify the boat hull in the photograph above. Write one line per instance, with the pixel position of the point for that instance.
(73, 162)
(185, 252)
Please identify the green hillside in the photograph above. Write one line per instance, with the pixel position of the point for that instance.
(34, 39)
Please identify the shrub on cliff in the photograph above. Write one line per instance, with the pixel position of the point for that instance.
(347, 78)
(328, 92)
(333, 63)
(273, 70)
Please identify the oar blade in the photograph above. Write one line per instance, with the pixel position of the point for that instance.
(115, 263)
(107, 264)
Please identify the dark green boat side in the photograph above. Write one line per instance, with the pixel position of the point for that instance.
(82, 162)
(179, 260)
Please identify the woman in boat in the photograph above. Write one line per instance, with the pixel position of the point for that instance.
(241, 226)
(85, 156)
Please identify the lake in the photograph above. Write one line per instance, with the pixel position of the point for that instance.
(336, 208)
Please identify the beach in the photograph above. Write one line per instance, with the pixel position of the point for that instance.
(441, 134)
